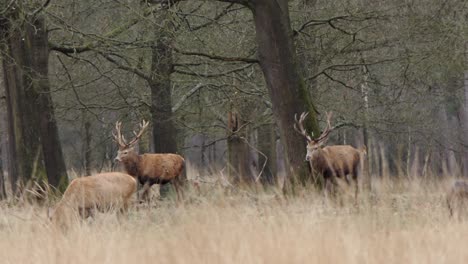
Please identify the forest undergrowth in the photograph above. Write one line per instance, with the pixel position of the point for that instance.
(401, 221)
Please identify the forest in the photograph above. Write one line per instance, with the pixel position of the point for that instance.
(221, 83)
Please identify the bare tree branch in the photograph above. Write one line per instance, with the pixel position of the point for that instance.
(205, 75)
(125, 67)
(216, 57)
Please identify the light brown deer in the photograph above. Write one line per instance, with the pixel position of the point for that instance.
(149, 169)
(102, 191)
(330, 161)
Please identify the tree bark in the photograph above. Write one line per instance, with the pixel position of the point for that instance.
(238, 150)
(2, 149)
(267, 147)
(86, 144)
(164, 132)
(22, 137)
(464, 117)
(286, 86)
(37, 41)
(33, 132)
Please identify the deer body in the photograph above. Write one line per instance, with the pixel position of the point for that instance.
(101, 191)
(149, 169)
(339, 161)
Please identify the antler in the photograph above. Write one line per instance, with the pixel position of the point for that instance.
(118, 135)
(327, 130)
(300, 123)
(144, 124)
(120, 139)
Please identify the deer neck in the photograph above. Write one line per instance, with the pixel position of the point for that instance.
(319, 157)
(132, 163)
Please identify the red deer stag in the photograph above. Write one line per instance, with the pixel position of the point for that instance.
(149, 169)
(330, 161)
(101, 191)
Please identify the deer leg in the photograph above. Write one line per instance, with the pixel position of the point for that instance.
(176, 185)
(145, 192)
(355, 180)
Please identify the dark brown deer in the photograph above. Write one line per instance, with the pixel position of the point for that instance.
(330, 161)
(151, 168)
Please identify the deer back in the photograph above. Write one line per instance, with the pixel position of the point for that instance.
(161, 166)
(338, 157)
(99, 190)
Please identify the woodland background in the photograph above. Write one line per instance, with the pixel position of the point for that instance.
(394, 73)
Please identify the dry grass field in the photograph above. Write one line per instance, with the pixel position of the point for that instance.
(406, 222)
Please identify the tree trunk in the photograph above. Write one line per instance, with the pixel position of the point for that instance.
(449, 166)
(33, 132)
(37, 41)
(2, 150)
(365, 168)
(22, 136)
(86, 145)
(164, 132)
(286, 86)
(464, 117)
(267, 157)
(238, 150)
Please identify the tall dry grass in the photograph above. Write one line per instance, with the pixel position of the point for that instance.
(406, 221)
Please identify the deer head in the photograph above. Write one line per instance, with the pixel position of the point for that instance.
(313, 145)
(126, 149)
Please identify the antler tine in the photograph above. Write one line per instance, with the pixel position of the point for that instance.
(328, 129)
(118, 137)
(299, 126)
(143, 125)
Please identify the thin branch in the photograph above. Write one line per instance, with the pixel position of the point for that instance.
(125, 67)
(205, 75)
(37, 11)
(111, 34)
(217, 57)
(186, 96)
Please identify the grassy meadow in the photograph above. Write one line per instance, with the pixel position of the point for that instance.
(404, 221)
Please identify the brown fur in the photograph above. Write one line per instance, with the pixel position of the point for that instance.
(336, 161)
(332, 161)
(149, 169)
(457, 197)
(101, 191)
(152, 169)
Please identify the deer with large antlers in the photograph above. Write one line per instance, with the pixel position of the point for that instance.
(149, 169)
(330, 161)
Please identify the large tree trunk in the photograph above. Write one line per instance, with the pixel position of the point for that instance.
(164, 132)
(23, 141)
(33, 132)
(37, 41)
(286, 86)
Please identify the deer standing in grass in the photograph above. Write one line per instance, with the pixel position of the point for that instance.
(148, 169)
(331, 161)
(104, 191)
